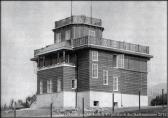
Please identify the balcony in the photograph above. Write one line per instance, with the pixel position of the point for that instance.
(108, 44)
(54, 47)
(78, 20)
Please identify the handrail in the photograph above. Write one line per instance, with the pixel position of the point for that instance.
(88, 40)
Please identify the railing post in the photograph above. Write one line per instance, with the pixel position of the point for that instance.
(139, 100)
(113, 102)
(83, 111)
(51, 110)
(15, 110)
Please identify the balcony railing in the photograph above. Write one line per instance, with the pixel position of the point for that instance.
(107, 43)
(53, 47)
(78, 20)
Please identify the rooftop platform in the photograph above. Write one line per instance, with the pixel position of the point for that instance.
(78, 20)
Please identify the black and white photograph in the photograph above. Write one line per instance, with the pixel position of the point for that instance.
(84, 59)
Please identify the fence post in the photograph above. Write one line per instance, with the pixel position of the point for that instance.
(51, 110)
(15, 110)
(139, 100)
(83, 112)
(113, 102)
(162, 97)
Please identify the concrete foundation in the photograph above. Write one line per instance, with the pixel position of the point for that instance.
(91, 99)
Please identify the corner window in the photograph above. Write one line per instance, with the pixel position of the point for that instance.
(74, 84)
(105, 77)
(67, 35)
(95, 103)
(91, 33)
(94, 55)
(58, 37)
(115, 83)
(95, 70)
(41, 86)
(49, 86)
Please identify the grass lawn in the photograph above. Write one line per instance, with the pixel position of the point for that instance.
(105, 112)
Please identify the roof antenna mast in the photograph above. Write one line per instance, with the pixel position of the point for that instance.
(91, 11)
(71, 8)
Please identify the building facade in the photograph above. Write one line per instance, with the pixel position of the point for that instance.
(82, 64)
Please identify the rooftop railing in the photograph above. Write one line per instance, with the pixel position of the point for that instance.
(107, 43)
(78, 20)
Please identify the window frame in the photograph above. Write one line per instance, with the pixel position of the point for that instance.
(75, 84)
(105, 77)
(115, 77)
(93, 65)
(49, 86)
(95, 55)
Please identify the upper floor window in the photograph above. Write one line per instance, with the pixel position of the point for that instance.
(67, 35)
(118, 61)
(95, 70)
(58, 37)
(105, 77)
(91, 33)
(49, 86)
(94, 55)
(41, 86)
(74, 84)
(115, 83)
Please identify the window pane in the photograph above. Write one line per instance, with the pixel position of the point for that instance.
(94, 55)
(105, 77)
(114, 60)
(115, 84)
(95, 70)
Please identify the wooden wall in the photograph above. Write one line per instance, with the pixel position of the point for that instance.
(65, 74)
(83, 70)
(130, 81)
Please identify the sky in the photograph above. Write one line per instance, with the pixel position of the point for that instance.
(27, 25)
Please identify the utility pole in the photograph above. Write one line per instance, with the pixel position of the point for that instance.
(112, 102)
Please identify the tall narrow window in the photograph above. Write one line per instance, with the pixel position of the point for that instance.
(114, 61)
(58, 85)
(41, 86)
(58, 37)
(49, 86)
(95, 70)
(67, 35)
(74, 84)
(94, 55)
(115, 83)
(91, 33)
(105, 77)
(120, 62)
